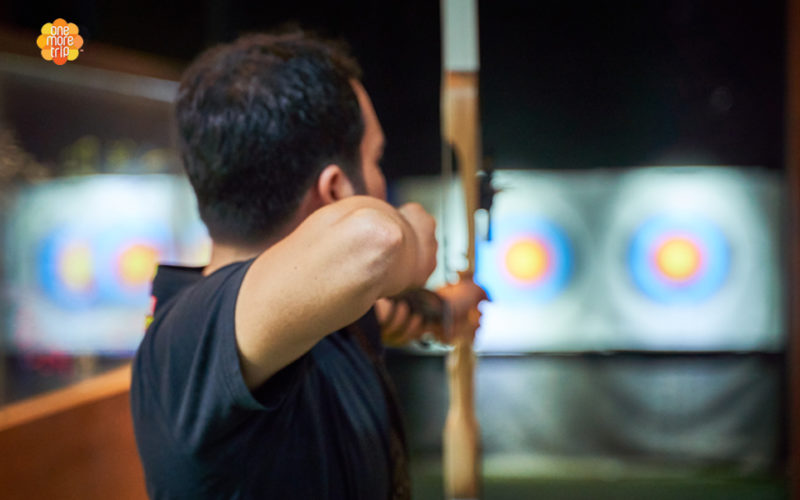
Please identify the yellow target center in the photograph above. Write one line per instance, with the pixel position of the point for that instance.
(75, 267)
(678, 258)
(527, 260)
(137, 264)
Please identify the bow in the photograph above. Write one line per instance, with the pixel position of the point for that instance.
(461, 130)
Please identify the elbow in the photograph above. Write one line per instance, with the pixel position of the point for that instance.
(380, 235)
(381, 244)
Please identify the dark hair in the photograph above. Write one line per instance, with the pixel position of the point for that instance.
(258, 120)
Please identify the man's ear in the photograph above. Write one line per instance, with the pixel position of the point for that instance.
(333, 185)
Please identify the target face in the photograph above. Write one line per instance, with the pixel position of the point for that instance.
(679, 260)
(80, 253)
(115, 266)
(653, 259)
(131, 255)
(529, 259)
(67, 265)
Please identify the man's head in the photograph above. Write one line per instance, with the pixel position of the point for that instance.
(267, 119)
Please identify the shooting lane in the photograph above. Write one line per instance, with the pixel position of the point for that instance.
(637, 342)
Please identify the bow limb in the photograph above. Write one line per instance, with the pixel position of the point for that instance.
(461, 130)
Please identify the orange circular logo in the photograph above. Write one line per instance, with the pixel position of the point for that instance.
(60, 41)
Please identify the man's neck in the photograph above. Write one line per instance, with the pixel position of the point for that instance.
(222, 255)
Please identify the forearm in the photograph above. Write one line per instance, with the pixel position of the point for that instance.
(323, 276)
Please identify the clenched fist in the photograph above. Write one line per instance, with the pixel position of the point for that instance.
(424, 228)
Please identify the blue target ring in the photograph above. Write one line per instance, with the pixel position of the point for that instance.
(67, 269)
(530, 259)
(79, 269)
(701, 259)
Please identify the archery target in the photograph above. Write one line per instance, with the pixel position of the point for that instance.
(531, 260)
(535, 268)
(66, 269)
(649, 259)
(95, 243)
(691, 261)
(131, 253)
(83, 270)
(676, 260)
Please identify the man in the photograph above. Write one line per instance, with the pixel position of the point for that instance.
(261, 375)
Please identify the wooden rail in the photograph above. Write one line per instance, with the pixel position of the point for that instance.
(76, 443)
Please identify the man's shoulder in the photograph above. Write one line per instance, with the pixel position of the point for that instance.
(188, 308)
(187, 287)
(190, 337)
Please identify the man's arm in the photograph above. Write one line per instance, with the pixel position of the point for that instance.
(326, 274)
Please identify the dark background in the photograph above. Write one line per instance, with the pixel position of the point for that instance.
(617, 84)
(397, 44)
(563, 84)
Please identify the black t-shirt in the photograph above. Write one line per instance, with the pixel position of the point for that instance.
(324, 427)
